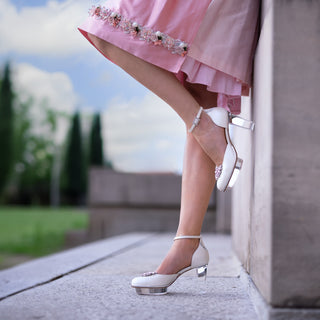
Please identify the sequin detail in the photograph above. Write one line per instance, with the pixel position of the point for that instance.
(136, 30)
(218, 171)
(148, 274)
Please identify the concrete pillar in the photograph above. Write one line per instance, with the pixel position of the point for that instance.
(260, 250)
(296, 155)
(280, 245)
(241, 193)
(223, 212)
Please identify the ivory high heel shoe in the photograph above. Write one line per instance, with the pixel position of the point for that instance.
(152, 283)
(227, 173)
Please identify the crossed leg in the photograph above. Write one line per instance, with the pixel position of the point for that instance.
(204, 148)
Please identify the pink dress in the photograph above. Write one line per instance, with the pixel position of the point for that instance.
(209, 42)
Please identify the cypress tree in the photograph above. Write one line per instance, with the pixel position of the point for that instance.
(6, 128)
(74, 165)
(96, 144)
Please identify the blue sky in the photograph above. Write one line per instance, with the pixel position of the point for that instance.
(30, 3)
(51, 60)
(87, 70)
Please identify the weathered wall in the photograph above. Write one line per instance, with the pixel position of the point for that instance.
(261, 217)
(296, 154)
(241, 194)
(132, 202)
(282, 227)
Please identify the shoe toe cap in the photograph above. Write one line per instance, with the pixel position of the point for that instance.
(155, 280)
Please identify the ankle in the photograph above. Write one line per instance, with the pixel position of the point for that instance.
(211, 138)
(187, 244)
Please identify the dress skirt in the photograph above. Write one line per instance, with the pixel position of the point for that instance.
(209, 42)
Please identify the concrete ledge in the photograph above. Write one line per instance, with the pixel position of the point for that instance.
(93, 282)
(46, 269)
(108, 222)
(136, 202)
(113, 188)
(75, 284)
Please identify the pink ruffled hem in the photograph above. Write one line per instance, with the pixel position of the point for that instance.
(229, 89)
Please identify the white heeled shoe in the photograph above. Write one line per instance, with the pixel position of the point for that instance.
(227, 173)
(152, 283)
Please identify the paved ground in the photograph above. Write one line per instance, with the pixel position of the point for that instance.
(93, 282)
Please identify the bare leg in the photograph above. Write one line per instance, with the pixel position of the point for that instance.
(199, 160)
(197, 185)
(164, 84)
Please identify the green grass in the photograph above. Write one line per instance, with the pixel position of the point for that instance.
(37, 231)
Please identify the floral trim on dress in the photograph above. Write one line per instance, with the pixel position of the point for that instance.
(157, 38)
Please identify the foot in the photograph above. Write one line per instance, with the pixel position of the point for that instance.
(211, 138)
(179, 256)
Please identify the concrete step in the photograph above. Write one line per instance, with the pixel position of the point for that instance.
(93, 282)
(49, 268)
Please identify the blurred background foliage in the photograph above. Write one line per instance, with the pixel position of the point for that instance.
(36, 231)
(45, 156)
(36, 169)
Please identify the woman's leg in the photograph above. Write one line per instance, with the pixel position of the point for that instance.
(198, 172)
(164, 84)
(197, 186)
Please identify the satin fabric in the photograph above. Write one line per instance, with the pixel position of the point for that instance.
(221, 35)
(179, 19)
(226, 39)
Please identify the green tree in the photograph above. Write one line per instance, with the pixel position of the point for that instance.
(74, 176)
(96, 144)
(34, 152)
(6, 128)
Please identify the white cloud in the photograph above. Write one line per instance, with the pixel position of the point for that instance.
(143, 135)
(50, 29)
(55, 89)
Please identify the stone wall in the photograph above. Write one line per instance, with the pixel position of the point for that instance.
(132, 202)
(276, 204)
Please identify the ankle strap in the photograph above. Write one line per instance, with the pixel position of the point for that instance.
(187, 237)
(196, 120)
